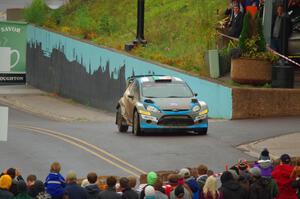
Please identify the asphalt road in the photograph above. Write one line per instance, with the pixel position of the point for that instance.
(33, 143)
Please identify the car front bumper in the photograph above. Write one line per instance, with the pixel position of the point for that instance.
(185, 121)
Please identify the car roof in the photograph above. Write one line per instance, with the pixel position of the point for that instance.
(157, 79)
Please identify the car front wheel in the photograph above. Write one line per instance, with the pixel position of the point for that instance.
(119, 118)
(136, 129)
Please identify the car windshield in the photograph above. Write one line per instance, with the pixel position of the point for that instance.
(166, 90)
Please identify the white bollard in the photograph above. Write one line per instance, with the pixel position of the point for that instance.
(3, 123)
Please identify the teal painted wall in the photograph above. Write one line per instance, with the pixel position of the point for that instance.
(218, 97)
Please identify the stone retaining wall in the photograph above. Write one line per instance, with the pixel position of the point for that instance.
(265, 102)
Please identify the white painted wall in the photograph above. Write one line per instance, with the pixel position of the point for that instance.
(3, 123)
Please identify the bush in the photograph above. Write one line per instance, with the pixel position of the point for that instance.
(36, 13)
(84, 21)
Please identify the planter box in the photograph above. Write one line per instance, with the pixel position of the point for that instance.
(251, 71)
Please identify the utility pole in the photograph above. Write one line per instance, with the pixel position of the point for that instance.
(140, 39)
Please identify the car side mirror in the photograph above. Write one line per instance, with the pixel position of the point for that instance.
(130, 96)
(195, 94)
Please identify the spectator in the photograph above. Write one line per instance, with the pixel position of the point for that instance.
(210, 190)
(73, 190)
(5, 183)
(30, 184)
(22, 191)
(39, 190)
(132, 182)
(180, 192)
(172, 183)
(202, 172)
(264, 163)
(261, 188)
(16, 176)
(149, 192)
(278, 31)
(159, 190)
(236, 25)
(92, 187)
(151, 179)
(191, 182)
(55, 182)
(84, 183)
(128, 193)
(110, 193)
(230, 188)
(282, 174)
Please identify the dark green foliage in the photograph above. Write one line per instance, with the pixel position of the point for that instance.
(84, 21)
(245, 34)
(36, 13)
(252, 41)
(261, 38)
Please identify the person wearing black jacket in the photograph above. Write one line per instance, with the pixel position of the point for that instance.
(236, 25)
(92, 188)
(72, 189)
(16, 176)
(128, 193)
(230, 188)
(296, 185)
(110, 193)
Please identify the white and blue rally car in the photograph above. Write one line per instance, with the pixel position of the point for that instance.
(156, 102)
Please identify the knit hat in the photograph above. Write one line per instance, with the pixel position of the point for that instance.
(255, 171)
(285, 158)
(149, 192)
(264, 155)
(179, 191)
(22, 187)
(226, 176)
(5, 182)
(151, 178)
(184, 173)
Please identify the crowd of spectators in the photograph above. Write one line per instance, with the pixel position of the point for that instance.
(259, 180)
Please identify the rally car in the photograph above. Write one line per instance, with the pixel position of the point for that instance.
(155, 102)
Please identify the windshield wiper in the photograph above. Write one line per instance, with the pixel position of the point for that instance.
(173, 96)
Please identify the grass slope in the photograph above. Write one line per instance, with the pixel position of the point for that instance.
(179, 32)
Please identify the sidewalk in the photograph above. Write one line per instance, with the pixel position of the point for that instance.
(29, 99)
(277, 146)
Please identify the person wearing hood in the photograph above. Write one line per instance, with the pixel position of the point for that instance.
(39, 190)
(159, 190)
(127, 192)
(92, 187)
(265, 164)
(5, 183)
(262, 187)
(22, 190)
(281, 175)
(190, 181)
(230, 188)
(151, 179)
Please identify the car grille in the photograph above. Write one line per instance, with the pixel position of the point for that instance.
(176, 120)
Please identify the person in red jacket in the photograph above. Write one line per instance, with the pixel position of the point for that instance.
(281, 175)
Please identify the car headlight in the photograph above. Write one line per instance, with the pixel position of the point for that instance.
(203, 112)
(196, 108)
(142, 112)
(152, 109)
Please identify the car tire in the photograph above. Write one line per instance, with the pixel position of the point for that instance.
(136, 128)
(202, 131)
(119, 120)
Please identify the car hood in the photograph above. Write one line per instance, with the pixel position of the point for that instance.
(172, 104)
